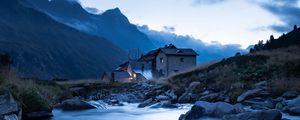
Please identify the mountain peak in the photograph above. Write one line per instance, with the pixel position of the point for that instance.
(115, 14)
(115, 11)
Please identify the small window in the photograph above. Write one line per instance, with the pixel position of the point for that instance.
(161, 60)
(181, 59)
(176, 71)
(143, 67)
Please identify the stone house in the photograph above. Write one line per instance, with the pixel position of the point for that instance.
(128, 72)
(169, 60)
(161, 62)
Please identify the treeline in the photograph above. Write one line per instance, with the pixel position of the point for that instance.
(290, 39)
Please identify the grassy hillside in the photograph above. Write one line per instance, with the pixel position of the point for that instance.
(234, 75)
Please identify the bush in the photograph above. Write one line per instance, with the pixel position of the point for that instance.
(279, 86)
(32, 100)
(33, 95)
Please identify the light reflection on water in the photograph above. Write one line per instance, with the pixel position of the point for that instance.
(127, 112)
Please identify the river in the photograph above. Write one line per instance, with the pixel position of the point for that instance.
(130, 112)
(126, 112)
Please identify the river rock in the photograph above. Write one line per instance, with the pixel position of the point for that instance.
(10, 117)
(257, 115)
(213, 97)
(196, 112)
(147, 102)
(185, 98)
(193, 86)
(207, 109)
(290, 94)
(9, 106)
(261, 85)
(38, 115)
(164, 104)
(249, 94)
(260, 104)
(294, 110)
(171, 94)
(215, 109)
(74, 104)
(238, 108)
(294, 102)
(150, 94)
(162, 98)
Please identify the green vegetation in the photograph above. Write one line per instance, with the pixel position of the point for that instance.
(31, 94)
(234, 75)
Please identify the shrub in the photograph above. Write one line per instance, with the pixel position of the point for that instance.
(281, 85)
(33, 95)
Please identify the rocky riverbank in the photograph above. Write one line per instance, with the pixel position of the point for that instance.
(253, 104)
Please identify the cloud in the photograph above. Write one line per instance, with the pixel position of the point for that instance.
(170, 29)
(93, 10)
(207, 51)
(288, 12)
(207, 1)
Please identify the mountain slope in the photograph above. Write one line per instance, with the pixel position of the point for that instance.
(45, 49)
(278, 66)
(112, 24)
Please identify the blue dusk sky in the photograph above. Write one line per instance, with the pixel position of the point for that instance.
(241, 22)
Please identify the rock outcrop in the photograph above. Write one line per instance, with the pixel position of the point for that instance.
(9, 109)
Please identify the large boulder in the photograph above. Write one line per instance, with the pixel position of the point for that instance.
(9, 106)
(256, 115)
(196, 112)
(75, 104)
(207, 109)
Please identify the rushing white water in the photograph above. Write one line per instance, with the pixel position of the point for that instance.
(130, 112)
(126, 112)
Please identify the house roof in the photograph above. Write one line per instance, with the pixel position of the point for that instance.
(180, 52)
(149, 56)
(168, 50)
